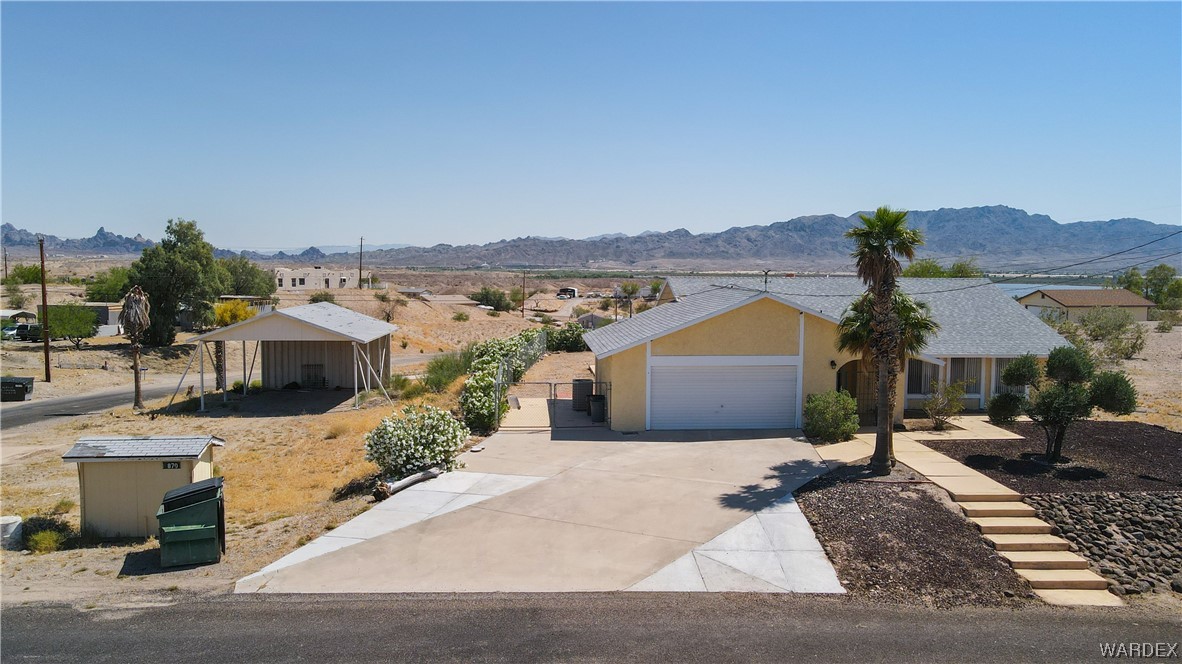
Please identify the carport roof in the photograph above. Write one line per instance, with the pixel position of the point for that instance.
(140, 447)
(976, 318)
(327, 320)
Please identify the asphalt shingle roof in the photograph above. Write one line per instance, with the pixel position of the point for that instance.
(976, 318)
(141, 447)
(1108, 297)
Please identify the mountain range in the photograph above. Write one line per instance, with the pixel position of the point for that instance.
(997, 237)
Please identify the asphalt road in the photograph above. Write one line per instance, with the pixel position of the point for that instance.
(579, 627)
(31, 412)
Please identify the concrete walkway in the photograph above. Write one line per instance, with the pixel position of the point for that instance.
(1008, 524)
(606, 514)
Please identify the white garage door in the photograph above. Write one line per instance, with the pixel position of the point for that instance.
(723, 397)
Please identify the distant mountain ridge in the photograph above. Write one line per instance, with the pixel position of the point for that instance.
(998, 237)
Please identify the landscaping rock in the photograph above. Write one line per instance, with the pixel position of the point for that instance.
(1131, 538)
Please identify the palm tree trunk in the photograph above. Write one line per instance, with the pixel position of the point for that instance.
(880, 463)
(135, 369)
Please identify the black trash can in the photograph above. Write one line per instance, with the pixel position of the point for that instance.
(581, 388)
(598, 405)
(15, 388)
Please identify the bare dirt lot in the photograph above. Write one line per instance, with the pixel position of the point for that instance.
(1157, 373)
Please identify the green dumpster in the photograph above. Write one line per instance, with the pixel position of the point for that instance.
(193, 524)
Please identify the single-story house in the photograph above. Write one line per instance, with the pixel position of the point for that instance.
(1073, 304)
(122, 480)
(318, 278)
(319, 345)
(411, 292)
(595, 320)
(723, 352)
(463, 300)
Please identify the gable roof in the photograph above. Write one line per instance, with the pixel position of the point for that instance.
(111, 448)
(1108, 297)
(321, 321)
(976, 318)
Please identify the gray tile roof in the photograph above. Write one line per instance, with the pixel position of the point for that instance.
(140, 447)
(976, 318)
(339, 321)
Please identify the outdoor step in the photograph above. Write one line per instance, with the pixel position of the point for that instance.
(1063, 579)
(1011, 524)
(997, 509)
(1062, 597)
(1044, 560)
(1010, 542)
(976, 495)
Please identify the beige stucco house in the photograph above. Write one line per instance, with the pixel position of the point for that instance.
(1072, 304)
(724, 353)
(122, 480)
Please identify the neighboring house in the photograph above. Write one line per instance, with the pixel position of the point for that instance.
(412, 293)
(595, 320)
(720, 352)
(1072, 304)
(317, 278)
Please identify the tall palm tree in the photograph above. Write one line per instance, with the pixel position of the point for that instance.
(135, 321)
(878, 245)
(916, 326)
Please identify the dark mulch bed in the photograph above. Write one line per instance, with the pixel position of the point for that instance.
(892, 540)
(1097, 456)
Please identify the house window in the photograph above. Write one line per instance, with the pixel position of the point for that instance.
(920, 376)
(999, 365)
(343, 281)
(281, 282)
(301, 281)
(966, 370)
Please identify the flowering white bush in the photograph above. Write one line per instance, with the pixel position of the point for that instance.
(424, 436)
(478, 400)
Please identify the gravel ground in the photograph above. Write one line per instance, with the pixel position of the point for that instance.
(898, 540)
(1130, 538)
(1098, 456)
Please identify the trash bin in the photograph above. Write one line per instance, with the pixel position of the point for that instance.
(598, 406)
(193, 524)
(15, 388)
(581, 388)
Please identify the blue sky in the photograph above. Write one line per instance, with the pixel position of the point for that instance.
(283, 125)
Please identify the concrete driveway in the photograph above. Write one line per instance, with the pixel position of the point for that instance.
(591, 512)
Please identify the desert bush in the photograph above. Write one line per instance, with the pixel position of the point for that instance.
(945, 402)
(321, 296)
(16, 297)
(255, 387)
(443, 370)
(493, 297)
(567, 339)
(1004, 408)
(403, 344)
(460, 317)
(63, 506)
(336, 430)
(1163, 325)
(423, 437)
(831, 416)
(1112, 391)
(47, 533)
(494, 314)
(1112, 333)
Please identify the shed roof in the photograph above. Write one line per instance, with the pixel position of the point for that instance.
(1108, 297)
(448, 299)
(976, 318)
(322, 321)
(17, 313)
(113, 448)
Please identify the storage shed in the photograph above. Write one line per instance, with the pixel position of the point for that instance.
(121, 480)
(319, 345)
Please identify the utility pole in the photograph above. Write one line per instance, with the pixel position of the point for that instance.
(5, 262)
(523, 292)
(360, 258)
(44, 308)
(765, 273)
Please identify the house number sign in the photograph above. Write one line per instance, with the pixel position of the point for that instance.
(172, 465)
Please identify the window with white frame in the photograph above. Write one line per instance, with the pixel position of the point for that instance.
(966, 370)
(999, 365)
(920, 376)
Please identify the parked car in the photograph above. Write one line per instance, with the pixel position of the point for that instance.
(8, 333)
(28, 332)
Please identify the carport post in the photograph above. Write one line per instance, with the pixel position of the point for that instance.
(355, 404)
(244, 376)
(201, 349)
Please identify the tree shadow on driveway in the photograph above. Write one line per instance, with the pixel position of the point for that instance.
(785, 478)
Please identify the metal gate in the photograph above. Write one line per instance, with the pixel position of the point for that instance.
(537, 405)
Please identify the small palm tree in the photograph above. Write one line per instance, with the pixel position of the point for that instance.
(878, 245)
(916, 326)
(135, 321)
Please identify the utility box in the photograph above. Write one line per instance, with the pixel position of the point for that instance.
(192, 522)
(121, 480)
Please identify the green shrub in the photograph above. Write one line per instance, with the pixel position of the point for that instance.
(1004, 408)
(1112, 391)
(494, 314)
(460, 317)
(1022, 371)
(831, 416)
(1163, 326)
(46, 541)
(424, 436)
(443, 370)
(943, 403)
(493, 297)
(255, 387)
(47, 533)
(567, 339)
(321, 296)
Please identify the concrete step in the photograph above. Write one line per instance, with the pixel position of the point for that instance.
(1063, 579)
(1029, 542)
(982, 495)
(996, 509)
(1011, 525)
(1078, 597)
(1044, 560)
